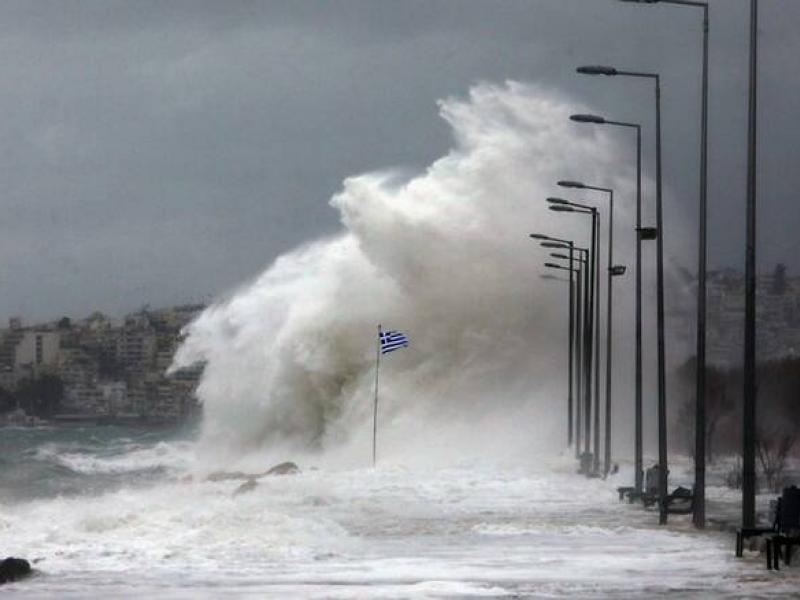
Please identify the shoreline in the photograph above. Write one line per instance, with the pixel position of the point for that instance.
(70, 421)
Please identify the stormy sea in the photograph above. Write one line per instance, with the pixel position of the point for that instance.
(474, 493)
(115, 513)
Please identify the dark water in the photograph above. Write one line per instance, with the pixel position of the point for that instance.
(44, 462)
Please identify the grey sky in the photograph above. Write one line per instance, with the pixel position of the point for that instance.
(163, 152)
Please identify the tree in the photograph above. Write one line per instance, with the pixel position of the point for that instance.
(719, 404)
(7, 400)
(41, 396)
(773, 446)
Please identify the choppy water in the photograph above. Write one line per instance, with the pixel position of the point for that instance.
(43, 462)
(464, 502)
(111, 513)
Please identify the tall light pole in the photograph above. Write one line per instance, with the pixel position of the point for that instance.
(596, 332)
(571, 246)
(699, 516)
(583, 284)
(561, 205)
(570, 335)
(662, 379)
(749, 412)
(609, 319)
(637, 453)
(572, 271)
(581, 264)
(570, 340)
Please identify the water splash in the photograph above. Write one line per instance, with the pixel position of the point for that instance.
(443, 255)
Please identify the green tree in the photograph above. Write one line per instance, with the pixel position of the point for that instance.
(41, 396)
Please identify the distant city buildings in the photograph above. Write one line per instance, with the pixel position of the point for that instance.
(777, 317)
(114, 369)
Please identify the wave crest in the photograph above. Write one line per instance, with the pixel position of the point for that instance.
(443, 255)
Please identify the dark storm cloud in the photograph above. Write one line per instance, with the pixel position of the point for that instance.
(163, 151)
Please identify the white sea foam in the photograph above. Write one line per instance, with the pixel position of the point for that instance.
(390, 532)
(444, 256)
(465, 500)
(176, 456)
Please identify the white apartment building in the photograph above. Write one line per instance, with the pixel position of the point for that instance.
(37, 349)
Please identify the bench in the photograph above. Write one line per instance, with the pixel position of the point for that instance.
(679, 502)
(626, 491)
(786, 529)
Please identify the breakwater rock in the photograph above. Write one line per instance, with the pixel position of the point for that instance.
(12, 569)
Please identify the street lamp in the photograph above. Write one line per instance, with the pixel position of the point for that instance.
(662, 385)
(597, 120)
(571, 336)
(700, 381)
(569, 244)
(609, 332)
(593, 293)
(596, 325)
(583, 275)
(749, 409)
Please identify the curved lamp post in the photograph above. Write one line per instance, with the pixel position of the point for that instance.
(570, 335)
(699, 516)
(638, 460)
(561, 205)
(662, 393)
(609, 328)
(583, 284)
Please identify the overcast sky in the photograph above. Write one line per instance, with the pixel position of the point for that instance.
(163, 152)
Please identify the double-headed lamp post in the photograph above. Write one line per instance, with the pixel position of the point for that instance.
(609, 321)
(699, 516)
(594, 119)
(561, 205)
(662, 378)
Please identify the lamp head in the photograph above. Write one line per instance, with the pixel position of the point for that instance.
(571, 184)
(557, 201)
(588, 119)
(554, 245)
(539, 236)
(559, 208)
(596, 70)
(648, 233)
(617, 270)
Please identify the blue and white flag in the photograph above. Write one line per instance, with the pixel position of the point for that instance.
(392, 340)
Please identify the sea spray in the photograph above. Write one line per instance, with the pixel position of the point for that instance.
(443, 255)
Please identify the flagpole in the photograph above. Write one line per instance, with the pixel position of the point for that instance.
(375, 405)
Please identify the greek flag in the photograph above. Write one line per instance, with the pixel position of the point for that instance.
(392, 340)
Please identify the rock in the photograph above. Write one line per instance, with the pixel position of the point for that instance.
(226, 475)
(247, 486)
(12, 569)
(285, 468)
